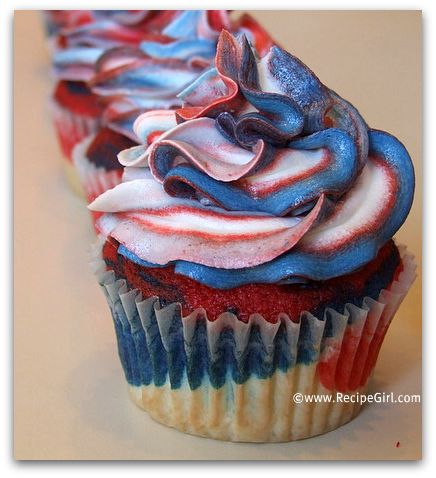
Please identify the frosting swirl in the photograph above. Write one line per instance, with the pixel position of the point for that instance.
(136, 61)
(81, 37)
(58, 20)
(81, 44)
(264, 175)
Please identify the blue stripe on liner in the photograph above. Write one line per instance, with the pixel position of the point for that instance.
(153, 353)
(147, 361)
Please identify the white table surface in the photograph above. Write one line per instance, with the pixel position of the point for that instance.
(70, 399)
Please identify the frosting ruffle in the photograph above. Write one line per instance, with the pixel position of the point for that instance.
(258, 144)
(139, 61)
(160, 34)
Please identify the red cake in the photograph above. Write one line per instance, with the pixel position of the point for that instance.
(269, 300)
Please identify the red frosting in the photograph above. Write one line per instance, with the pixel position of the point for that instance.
(266, 299)
(78, 98)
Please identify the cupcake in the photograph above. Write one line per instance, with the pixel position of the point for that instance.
(129, 81)
(56, 21)
(162, 41)
(247, 255)
(76, 110)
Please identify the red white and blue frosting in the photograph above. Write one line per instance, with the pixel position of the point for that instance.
(134, 61)
(81, 37)
(177, 50)
(57, 21)
(263, 175)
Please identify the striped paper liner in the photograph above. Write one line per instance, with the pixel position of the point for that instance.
(235, 381)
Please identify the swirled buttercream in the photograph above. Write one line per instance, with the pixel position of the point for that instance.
(135, 63)
(264, 175)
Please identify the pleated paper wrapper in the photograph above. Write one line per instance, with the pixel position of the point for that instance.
(235, 381)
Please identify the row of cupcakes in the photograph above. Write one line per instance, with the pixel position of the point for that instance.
(246, 214)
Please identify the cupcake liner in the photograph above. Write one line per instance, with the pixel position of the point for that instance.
(231, 380)
(94, 180)
(71, 128)
(73, 179)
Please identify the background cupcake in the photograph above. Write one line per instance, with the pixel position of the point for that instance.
(78, 40)
(129, 81)
(243, 261)
(176, 43)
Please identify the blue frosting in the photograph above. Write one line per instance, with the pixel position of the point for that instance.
(134, 258)
(296, 79)
(181, 49)
(184, 25)
(152, 76)
(79, 55)
(205, 76)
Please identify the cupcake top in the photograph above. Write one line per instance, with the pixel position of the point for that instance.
(58, 20)
(80, 46)
(264, 175)
(136, 61)
(78, 37)
(82, 37)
